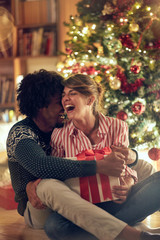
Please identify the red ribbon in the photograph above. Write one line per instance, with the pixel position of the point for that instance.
(147, 27)
(89, 185)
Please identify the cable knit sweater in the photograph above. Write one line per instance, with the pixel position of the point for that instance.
(29, 158)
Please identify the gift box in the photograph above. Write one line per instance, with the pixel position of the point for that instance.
(7, 197)
(96, 188)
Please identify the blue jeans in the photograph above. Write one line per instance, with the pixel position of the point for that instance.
(143, 200)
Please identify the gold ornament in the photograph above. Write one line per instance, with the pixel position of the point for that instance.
(98, 79)
(133, 27)
(115, 83)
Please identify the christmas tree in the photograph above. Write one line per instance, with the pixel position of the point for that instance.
(117, 43)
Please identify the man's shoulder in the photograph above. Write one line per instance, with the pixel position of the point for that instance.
(22, 127)
(19, 131)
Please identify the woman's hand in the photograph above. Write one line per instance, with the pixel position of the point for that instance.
(32, 195)
(121, 192)
(130, 155)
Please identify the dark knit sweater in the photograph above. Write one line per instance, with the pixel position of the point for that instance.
(29, 158)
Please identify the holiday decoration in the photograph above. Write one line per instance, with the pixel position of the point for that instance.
(133, 27)
(122, 115)
(135, 69)
(117, 43)
(98, 79)
(68, 50)
(138, 108)
(115, 83)
(154, 154)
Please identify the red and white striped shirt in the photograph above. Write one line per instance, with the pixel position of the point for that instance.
(69, 141)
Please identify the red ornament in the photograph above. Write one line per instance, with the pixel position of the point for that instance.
(127, 41)
(122, 115)
(91, 70)
(154, 154)
(135, 69)
(138, 108)
(128, 87)
(69, 51)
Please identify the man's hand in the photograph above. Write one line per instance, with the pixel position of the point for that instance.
(130, 156)
(112, 165)
(121, 192)
(32, 195)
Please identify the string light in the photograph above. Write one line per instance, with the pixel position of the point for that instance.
(101, 57)
(137, 5)
(85, 30)
(75, 38)
(94, 26)
(148, 8)
(150, 127)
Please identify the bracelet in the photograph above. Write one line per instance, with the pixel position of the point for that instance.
(135, 162)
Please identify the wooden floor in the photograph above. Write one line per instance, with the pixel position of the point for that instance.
(153, 220)
(12, 226)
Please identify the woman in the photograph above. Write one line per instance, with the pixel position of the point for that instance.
(88, 128)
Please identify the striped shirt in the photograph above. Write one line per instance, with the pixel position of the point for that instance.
(69, 142)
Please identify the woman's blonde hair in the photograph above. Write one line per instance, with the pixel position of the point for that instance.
(88, 87)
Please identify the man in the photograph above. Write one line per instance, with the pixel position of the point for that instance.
(28, 148)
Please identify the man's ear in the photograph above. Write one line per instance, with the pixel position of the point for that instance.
(91, 99)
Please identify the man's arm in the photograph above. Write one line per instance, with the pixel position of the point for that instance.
(34, 160)
(113, 164)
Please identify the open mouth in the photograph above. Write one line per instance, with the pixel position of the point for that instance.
(69, 108)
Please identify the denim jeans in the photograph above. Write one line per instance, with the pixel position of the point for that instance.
(143, 200)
